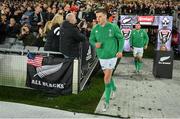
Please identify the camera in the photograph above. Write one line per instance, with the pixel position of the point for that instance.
(23, 29)
(81, 24)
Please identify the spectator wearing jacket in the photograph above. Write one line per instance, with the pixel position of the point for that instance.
(36, 20)
(71, 37)
(53, 34)
(25, 19)
(26, 36)
(12, 29)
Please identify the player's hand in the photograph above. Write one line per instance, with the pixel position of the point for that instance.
(98, 45)
(119, 55)
(145, 47)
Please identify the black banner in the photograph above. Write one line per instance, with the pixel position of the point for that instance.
(54, 76)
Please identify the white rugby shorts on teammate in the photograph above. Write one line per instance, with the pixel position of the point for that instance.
(138, 52)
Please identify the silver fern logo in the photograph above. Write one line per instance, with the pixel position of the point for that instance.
(163, 60)
(126, 20)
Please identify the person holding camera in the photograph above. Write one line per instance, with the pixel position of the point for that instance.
(70, 37)
(26, 36)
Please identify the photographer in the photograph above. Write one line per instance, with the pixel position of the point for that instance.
(26, 36)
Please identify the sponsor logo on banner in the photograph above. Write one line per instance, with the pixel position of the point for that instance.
(126, 21)
(164, 35)
(146, 20)
(163, 60)
(126, 32)
(47, 84)
(165, 22)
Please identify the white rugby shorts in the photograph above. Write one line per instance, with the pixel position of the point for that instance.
(108, 63)
(138, 52)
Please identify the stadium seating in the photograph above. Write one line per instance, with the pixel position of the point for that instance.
(5, 45)
(10, 41)
(41, 49)
(31, 48)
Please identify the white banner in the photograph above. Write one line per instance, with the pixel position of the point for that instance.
(164, 24)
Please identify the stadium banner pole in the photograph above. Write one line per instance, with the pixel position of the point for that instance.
(75, 81)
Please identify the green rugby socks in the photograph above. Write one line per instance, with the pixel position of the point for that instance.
(139, 65)
(136, 64)
(113, 87)
(107, 92)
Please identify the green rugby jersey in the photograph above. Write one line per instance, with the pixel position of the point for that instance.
(138, 38)
(111, 39)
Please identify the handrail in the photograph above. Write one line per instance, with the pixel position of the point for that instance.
(25, 51)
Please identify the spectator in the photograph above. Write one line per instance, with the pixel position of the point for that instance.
(49, 14)
(46, 28)
(12, 29)
(26, 36)
(80, 13)
(3, 23)
(66, 10)
(52, 41)
(70, 37)
(54, 10)
(36, 20)
(25, 19)
(40, 38)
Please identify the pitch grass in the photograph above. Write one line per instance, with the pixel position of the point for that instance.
(86, 101)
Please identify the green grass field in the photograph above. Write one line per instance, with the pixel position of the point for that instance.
(86, 101)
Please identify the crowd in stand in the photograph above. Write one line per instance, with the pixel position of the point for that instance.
(29, 21)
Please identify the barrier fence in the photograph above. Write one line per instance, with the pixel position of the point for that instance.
(14, 71)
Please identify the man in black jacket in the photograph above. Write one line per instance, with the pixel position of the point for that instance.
(70, 37)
